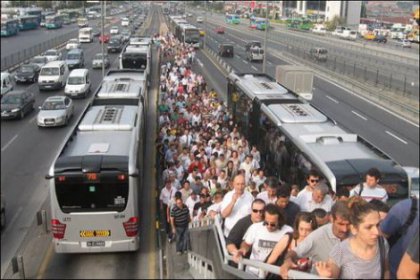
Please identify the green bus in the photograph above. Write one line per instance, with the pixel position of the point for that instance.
(53, 22)
(233, 19)
(9, 27)
(299, 24)
(28, 22)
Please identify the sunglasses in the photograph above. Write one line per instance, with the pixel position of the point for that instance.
(269, 224)
(314, 180)
(258, 211)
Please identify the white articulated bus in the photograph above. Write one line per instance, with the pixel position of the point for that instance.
(294, 137)
(95, 181)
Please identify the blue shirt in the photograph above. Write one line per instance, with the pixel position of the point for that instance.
(395, 219)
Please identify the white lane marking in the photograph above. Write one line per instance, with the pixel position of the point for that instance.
(238, 56)
(269, 63)
(369, 101)
(332, 99)
(12, 221)
(246, 62)
(359, 115)
(8, 143)
(199, 62)
(255, 68)
(396, 137)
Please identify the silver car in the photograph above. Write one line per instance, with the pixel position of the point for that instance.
(56, 111)
(97, 61)
(39, 60)
(53, 55)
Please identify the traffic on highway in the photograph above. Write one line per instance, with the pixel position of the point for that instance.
(209, 139)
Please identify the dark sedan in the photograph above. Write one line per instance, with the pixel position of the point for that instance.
(27, 73)
(16, 104)
(115, 44)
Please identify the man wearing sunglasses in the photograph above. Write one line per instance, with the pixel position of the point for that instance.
(263, 236)
(237, 233)
(312, 179)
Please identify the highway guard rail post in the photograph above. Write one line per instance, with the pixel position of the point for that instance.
(208, 257)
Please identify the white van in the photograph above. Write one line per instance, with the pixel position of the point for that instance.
(78, 83)
(7, 83)
(53, 75)
(125, 22)
(255, 54)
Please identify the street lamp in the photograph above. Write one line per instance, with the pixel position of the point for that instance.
(264, 67)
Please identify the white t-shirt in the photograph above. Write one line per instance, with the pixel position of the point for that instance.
(264, 196)
(368, 193)
(310, 205)
(190, 204)
(241, 208)
(303, 197)
(263, 241)
(214, 207)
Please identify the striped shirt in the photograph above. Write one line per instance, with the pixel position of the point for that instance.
(181, 216)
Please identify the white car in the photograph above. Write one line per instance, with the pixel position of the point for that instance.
(73, 44)
(52, 55)
(114, 30)
(200, 20)
(55, 111)
(404, 43)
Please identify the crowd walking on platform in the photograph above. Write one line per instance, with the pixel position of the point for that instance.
(208, 168)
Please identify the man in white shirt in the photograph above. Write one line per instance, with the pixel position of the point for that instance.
(236, 203)
(320, 199)
(270, 194)
(185, 139)
(248, 165)
(166, 194)
(370, 188)
(312, 179)
(191, 201)
(263, 236)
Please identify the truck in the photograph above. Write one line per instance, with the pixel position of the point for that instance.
(86, 35)
(296, 78)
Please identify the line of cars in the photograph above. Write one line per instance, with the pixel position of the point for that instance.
(52, 70)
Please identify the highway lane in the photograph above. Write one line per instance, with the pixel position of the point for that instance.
(356, 61)
(26, 155)
(392, 135)
(143, 263)
(30, 38)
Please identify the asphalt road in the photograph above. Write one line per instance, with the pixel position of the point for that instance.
(392, 135)
(377, 67)
(30, 38)
(26, 155)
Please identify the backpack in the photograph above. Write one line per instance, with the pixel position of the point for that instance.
(410, 219)
(280, 259)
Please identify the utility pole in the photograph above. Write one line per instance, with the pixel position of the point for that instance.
(103, 34)
(205, 27)
(264, 67)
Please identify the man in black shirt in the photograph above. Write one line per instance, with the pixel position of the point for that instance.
(236, 235)
(180, 218)
(290, 208)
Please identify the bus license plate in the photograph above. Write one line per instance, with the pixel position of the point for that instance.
(95, 243)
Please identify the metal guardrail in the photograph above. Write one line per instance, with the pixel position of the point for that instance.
(15, 59)
(263, 268)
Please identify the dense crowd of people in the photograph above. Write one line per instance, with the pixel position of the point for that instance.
(209, 168)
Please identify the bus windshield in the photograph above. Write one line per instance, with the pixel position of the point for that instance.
(134, 61)
(76, 196)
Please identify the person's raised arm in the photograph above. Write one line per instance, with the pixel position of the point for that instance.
(278, 249)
